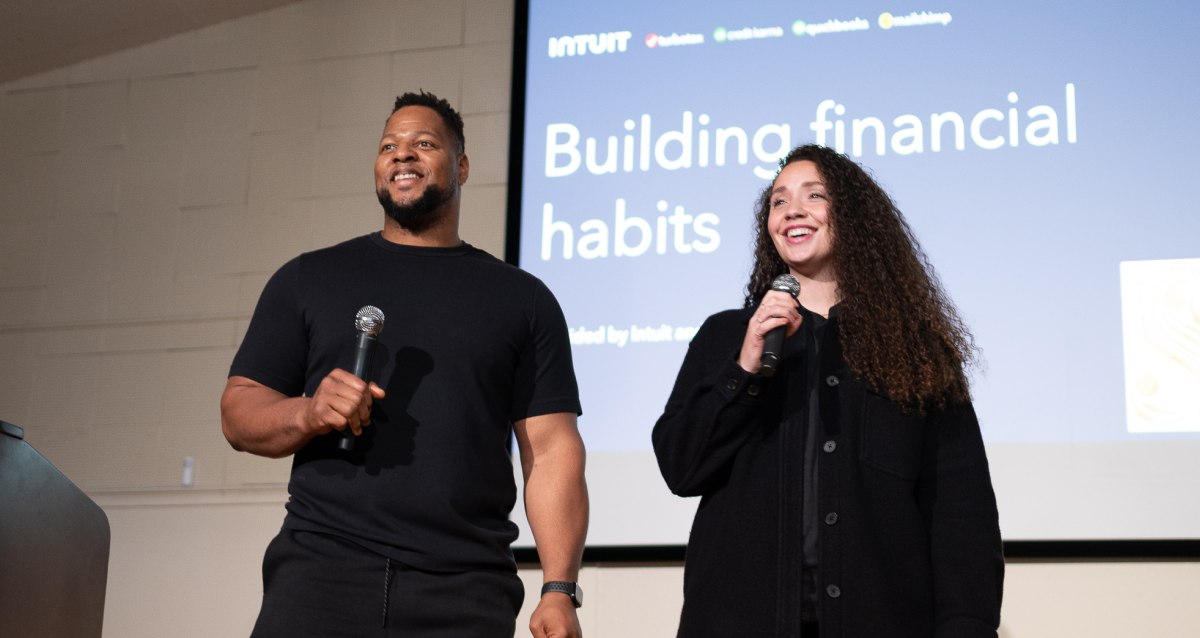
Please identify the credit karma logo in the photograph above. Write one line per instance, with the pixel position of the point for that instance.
(654, 40)
(749, 33)
(594, 43)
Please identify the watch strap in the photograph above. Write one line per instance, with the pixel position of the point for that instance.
(563, 587)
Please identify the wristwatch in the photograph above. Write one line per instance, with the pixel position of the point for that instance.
(571, 589)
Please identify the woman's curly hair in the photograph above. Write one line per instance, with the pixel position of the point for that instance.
(899, 331)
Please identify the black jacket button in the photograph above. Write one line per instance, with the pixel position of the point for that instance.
(752, 390)
(830, 446)
(732, 385)
(831, 518)
(831, 380)
(833, 591)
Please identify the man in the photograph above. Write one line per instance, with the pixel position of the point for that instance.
(408, 532)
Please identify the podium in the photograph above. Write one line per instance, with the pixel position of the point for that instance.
(53, 548)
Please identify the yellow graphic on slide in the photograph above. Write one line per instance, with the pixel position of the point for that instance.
(1160, 312)
(885, 21)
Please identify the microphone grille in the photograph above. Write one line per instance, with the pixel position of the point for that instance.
(369, 319)
(788, 284)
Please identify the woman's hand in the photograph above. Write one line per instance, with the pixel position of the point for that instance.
(777, 309)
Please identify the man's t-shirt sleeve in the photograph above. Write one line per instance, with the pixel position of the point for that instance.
(545, 376)
(274, 351)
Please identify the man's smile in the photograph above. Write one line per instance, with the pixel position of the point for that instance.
(405, 176)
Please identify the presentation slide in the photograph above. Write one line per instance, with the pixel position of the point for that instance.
(1044, 154)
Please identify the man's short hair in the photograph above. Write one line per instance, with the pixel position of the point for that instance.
(450, 117)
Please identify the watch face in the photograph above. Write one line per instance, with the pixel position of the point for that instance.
(578, 596)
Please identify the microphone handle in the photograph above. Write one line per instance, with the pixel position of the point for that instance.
(772, 351)
(364, 355)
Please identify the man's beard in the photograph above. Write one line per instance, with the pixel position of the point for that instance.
(419, 214)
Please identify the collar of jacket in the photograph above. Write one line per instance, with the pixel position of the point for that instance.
(747, 313)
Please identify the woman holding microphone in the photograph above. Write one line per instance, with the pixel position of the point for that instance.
(847, 495)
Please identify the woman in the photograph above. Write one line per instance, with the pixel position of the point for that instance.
(850, 489)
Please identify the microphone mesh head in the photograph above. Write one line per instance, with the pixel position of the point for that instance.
(788, 284)
(369, 319)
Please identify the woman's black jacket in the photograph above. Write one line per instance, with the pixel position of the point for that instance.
(909, 542)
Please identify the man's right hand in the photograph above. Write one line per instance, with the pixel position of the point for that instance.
(341, 401)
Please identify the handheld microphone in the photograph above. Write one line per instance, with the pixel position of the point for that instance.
(369, 323)
(773, 341)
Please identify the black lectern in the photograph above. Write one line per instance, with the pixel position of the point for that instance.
(53, 548)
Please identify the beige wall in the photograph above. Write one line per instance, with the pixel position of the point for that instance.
(145, 198)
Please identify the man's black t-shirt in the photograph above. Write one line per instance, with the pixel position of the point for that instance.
(470, 344)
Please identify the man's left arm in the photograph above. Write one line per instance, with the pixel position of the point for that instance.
(556, 503)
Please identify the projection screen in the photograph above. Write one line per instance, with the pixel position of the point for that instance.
(1044, 154)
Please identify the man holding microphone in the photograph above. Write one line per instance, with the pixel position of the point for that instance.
(407, 532)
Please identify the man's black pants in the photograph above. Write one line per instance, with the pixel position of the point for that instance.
(323, 585)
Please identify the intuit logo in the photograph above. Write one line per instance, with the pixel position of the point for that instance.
(595, 43)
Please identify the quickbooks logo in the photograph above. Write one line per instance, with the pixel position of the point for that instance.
(595, 43)
(801, 27)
